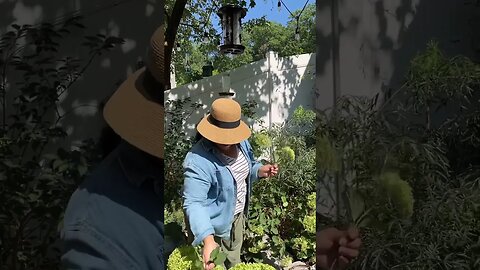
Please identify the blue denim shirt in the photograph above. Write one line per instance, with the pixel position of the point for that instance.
(114, 220)
(209, 191)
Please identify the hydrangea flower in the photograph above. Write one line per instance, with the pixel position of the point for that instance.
(399, 192)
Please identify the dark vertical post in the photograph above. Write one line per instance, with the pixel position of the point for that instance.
(339, 185)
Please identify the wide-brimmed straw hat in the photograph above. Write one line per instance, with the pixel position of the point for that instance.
(135, 111)
(223, 125)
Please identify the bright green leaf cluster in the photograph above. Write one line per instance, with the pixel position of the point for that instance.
(301, 115)
(312, 201)
(303, 246)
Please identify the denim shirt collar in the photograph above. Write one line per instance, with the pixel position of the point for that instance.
(139, 167)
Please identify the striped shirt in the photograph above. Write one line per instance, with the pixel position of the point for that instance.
(240, 171)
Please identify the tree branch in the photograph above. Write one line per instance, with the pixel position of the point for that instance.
(170, 36)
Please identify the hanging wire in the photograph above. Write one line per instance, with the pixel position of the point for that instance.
(205, 36)
(282, 3)
(297, 29)
(287, 7)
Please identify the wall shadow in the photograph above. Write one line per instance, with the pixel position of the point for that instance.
(135, 21)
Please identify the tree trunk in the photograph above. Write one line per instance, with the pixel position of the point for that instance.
(170, 35)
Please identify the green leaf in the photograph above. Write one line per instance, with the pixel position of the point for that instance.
(263, 220)
(214, 253)
(220, 259)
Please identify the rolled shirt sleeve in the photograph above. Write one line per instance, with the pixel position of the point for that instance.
(195, 191)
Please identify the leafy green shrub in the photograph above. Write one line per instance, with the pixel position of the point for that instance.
(430, 216)
(282, 208)
(177, 144)
(36, 177)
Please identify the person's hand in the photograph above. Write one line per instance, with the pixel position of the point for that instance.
(268, 170)
(337, 248)
(209, 245)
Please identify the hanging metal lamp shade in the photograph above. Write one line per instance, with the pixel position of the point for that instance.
(231, 19)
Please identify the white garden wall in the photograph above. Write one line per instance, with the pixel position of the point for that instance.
(278, 84)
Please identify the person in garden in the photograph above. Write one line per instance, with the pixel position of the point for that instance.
(114, 220)
(219, 172)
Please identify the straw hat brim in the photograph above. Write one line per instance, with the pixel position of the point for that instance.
(223, 135)
(135, 118)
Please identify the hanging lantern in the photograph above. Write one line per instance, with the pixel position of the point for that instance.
(207, 70)
(231, 19)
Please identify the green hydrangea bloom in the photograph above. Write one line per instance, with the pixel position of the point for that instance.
(259, 246)
(182, 258)
(309, 222)
(399, 192)
(262, 140)
(186, 258)
(286, 261)
(300, 243)
(258, 230)
(326, 155)
(252, 266)
(286, 154)
(312, 201)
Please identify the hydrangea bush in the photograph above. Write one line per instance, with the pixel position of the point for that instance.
(188, 258)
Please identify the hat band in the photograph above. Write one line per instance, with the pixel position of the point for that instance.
(222, 124)
(153, 87)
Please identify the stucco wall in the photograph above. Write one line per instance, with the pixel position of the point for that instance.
(377, 39)
(277, 84)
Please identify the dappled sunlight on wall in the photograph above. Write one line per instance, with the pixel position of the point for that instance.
(132, 20)
(278, 85)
